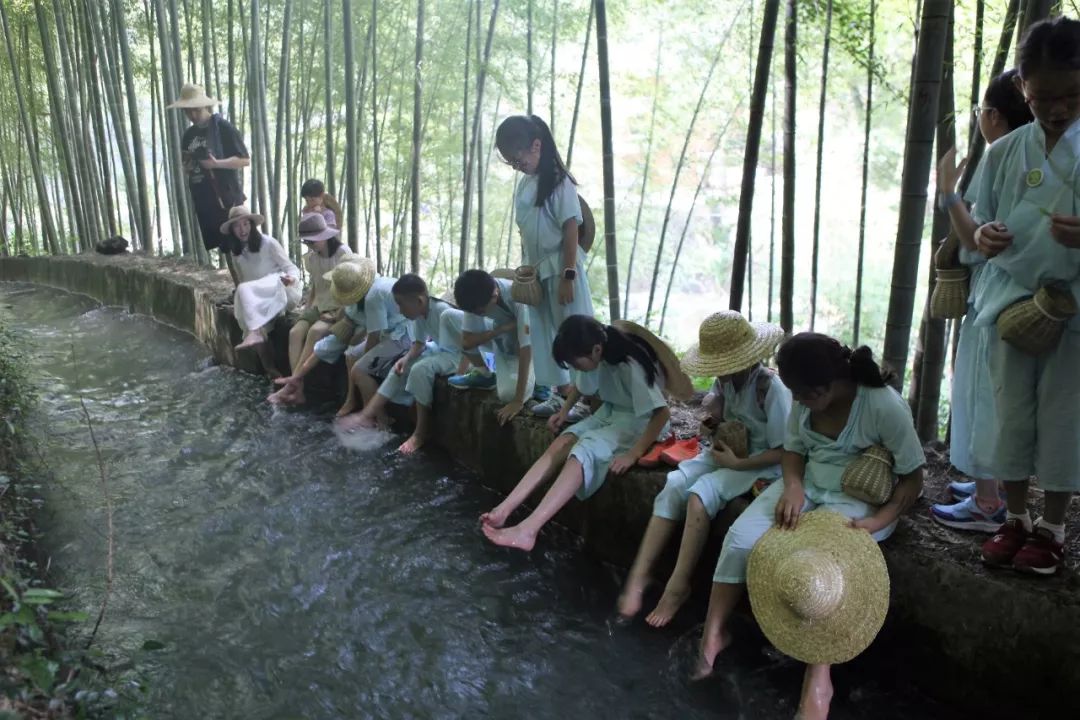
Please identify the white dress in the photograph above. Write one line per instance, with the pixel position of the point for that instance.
(261, 296)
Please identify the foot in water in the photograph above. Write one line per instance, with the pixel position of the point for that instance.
(347, 409)
(630, 599)
(252, 339)
(707, 652)
(512, 537)
(288, 395)
(356, 421)
(414, 443)
(495, 518)
(673, 598)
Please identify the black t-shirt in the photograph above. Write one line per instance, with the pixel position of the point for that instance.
(220, 138)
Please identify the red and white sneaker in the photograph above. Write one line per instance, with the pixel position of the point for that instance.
(1041, 554)
(1000, 550)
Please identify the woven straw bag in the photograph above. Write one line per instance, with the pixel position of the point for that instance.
(870, 476)
(526, 288)
(1035, 325)
(343, 330)
(950, 298)
(735, 436)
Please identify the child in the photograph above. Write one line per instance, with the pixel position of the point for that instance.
(548, 214)
(746, 392)
(369, 302)
(980, 508)
(1027, 208)
(320, 311)
(317, 200)
(268, 282)
(623, 371)
(486, 302)
(416, 372)
(842, 406)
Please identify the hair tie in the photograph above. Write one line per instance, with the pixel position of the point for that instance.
(846, 352)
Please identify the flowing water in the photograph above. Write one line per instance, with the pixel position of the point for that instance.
(287, 576)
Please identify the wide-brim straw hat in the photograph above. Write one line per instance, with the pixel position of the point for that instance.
(351, 280)
(676, 383)
(313, 228)
(238, 213)
(193, 96)
(728, 343)
(819, 592)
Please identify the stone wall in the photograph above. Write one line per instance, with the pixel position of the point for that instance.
(992, 640)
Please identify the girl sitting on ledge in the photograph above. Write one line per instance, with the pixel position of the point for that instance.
(623, 370)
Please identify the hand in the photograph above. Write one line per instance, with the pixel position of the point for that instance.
(289, 381)
(1066, 230)
(790, 506)
(949, 171)
(287, 281)
(555, 423)
(566, 291)
(724, 456)
(993, 238)
(211, 162)
(624, 462)
(399, 366)
(509, 411)
(328, 317)
(878, 521)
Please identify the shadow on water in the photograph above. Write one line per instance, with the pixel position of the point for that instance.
(289, 576)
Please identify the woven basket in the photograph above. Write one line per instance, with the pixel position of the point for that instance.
(735, 436)
(1035, 325)
(343, 330)
(870, 476)
(950, 298)
(947, 256)
(526, 288)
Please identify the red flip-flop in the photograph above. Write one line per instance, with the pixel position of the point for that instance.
(681, 450)
(652, 458)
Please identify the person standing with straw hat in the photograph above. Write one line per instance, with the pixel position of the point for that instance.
(213, 153)
(745, 392)
(843, 406)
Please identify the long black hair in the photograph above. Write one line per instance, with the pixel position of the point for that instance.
(579, 333)
(812, 360)
(1050, 45)
(516, 135)
(254, 241)
(1003, 95)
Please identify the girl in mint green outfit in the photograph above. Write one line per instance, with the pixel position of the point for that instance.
(548, 214)
(1029, 211)
(842, 407)
(744, 391)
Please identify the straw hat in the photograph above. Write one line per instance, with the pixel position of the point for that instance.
(819, 592)
(192, 96)
(351, 280)
(676, 383)
(240, 212)
(313, 228)
(729, 343)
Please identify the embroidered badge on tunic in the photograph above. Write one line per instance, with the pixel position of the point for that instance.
(1034, 178)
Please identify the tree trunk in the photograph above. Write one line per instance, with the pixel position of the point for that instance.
(554, 43)
(868, 116)
(463, 254)
(918, 155)
(328, 111)
(352, 151)
(644, 175)
(787, 239)
(374, 131)
(283, 102)
(529, 58)
(820, 157)
(1034, 11)
(753, 147)
(142, 194)
(610, 246)
(580, 83)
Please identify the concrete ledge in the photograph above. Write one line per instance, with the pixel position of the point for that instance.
(991, 640)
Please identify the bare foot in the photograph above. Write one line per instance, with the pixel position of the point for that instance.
(414, 443)
(346, 409)
(513, 537)
(710, 648)
(288, 395)
(495, 518)
(673, 598)
(252, 339)
(629, 603)
(817, 692)
(356, 421)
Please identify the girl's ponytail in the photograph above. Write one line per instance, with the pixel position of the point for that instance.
(551, 170)
(578, 334)
(865, 370)
(331, 203)
(812, 360)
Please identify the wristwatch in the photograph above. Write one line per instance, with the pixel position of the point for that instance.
(569, 274)
(947, 200)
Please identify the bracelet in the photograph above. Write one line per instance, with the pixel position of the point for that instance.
(947, 200)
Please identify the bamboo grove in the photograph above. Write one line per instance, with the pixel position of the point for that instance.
(778, 153)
